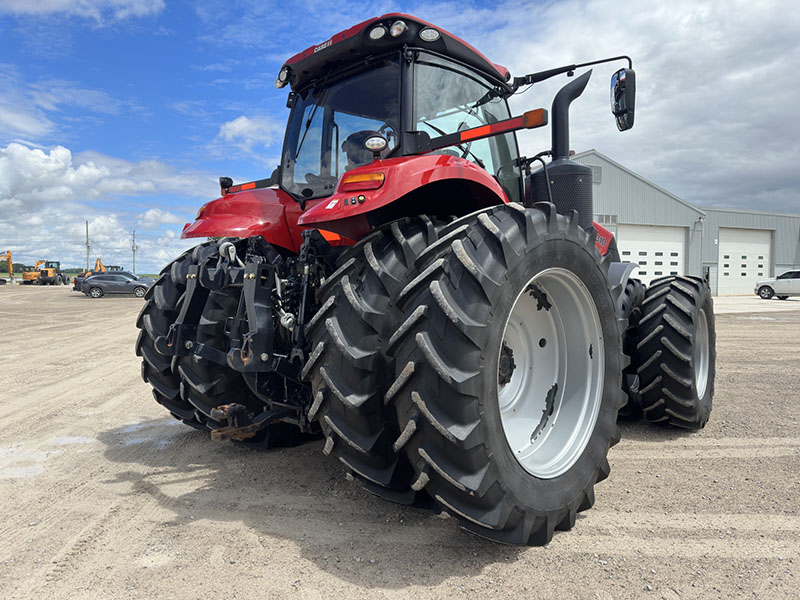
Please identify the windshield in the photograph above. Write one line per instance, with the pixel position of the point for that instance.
(327, 129)
(451, 98)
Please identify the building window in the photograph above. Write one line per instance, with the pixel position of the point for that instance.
(659, 254)
(673, 272)
(760, 258)
(724, 274)
(658, 273)
(626, 253)
(642, 262)
(673, 254)
(760, 266)
(726, 256)
(673, 264)
(760, 274)
(659, 263)
(744, 274)
(642, 253)
(726, 265)
(744, 266)
(744, 258)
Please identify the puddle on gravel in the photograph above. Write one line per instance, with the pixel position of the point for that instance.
(16, 462)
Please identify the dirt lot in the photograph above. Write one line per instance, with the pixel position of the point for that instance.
(104, 496)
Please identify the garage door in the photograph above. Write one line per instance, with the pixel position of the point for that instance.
(744, 257)
(658, 251)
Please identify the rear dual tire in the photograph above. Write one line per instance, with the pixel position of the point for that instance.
(455, 428)
(348, 368)
(675, 354)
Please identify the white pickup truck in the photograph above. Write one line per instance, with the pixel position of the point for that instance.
(782, 286)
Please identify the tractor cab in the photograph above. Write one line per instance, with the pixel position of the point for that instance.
(396, 78)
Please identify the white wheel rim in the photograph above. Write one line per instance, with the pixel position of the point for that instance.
(552, 347)
(700, 353)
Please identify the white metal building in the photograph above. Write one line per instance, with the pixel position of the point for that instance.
(666, 235)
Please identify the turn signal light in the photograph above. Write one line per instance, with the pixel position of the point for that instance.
(362, 181)
(534, 118)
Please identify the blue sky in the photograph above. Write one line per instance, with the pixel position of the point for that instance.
(124, 112)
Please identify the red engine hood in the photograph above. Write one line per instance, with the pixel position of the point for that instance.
(270, 212)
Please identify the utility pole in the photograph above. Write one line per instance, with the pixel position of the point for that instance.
(134, 248)
(88, 247)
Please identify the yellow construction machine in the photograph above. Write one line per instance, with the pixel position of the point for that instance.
(7, 257)
(45, 272)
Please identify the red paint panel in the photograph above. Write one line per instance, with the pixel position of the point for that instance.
(603, 239)
(403, 175)
(266, 211)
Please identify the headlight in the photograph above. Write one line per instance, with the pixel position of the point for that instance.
(398, 28)
(429, 34)
(377, 33)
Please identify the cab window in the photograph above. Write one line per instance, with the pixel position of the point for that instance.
(450, 98)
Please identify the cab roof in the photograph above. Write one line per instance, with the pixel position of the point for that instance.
(354, 44)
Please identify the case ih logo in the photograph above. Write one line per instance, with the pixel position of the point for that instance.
(323, 46)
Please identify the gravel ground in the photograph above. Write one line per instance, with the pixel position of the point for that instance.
(104, 496)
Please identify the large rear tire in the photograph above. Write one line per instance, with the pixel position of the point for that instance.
(162, 304)
(205, 384)
(495, 430)
(632, 297)
(676, 352)
(348, 367)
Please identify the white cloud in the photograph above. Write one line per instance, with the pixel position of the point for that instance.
(96, 10)
(247, 133)
(153, 218)
(46, 195)
(25, 106)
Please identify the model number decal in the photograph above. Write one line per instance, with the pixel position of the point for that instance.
(601, 240)
(322, 46)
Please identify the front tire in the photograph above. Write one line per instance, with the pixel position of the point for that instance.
(96, 292)
(507, 278)
(139, 292)
(676, 352)
(765, 292)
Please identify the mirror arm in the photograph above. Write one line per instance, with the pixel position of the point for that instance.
(532, 78)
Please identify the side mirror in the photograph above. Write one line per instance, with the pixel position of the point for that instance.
(623, 97)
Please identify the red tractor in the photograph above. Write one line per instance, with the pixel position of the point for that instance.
(451, 320)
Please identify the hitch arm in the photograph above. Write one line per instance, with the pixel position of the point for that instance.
(180, 338)
(256, 345)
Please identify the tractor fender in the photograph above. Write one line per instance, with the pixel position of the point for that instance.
(345, 210)
(618, 275)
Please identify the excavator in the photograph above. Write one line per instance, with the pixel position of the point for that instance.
(99, 267)
(45, 272)
(7, 257)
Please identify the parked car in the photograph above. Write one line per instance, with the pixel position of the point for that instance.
(782, 286)
(96, 286)
(78, 279)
